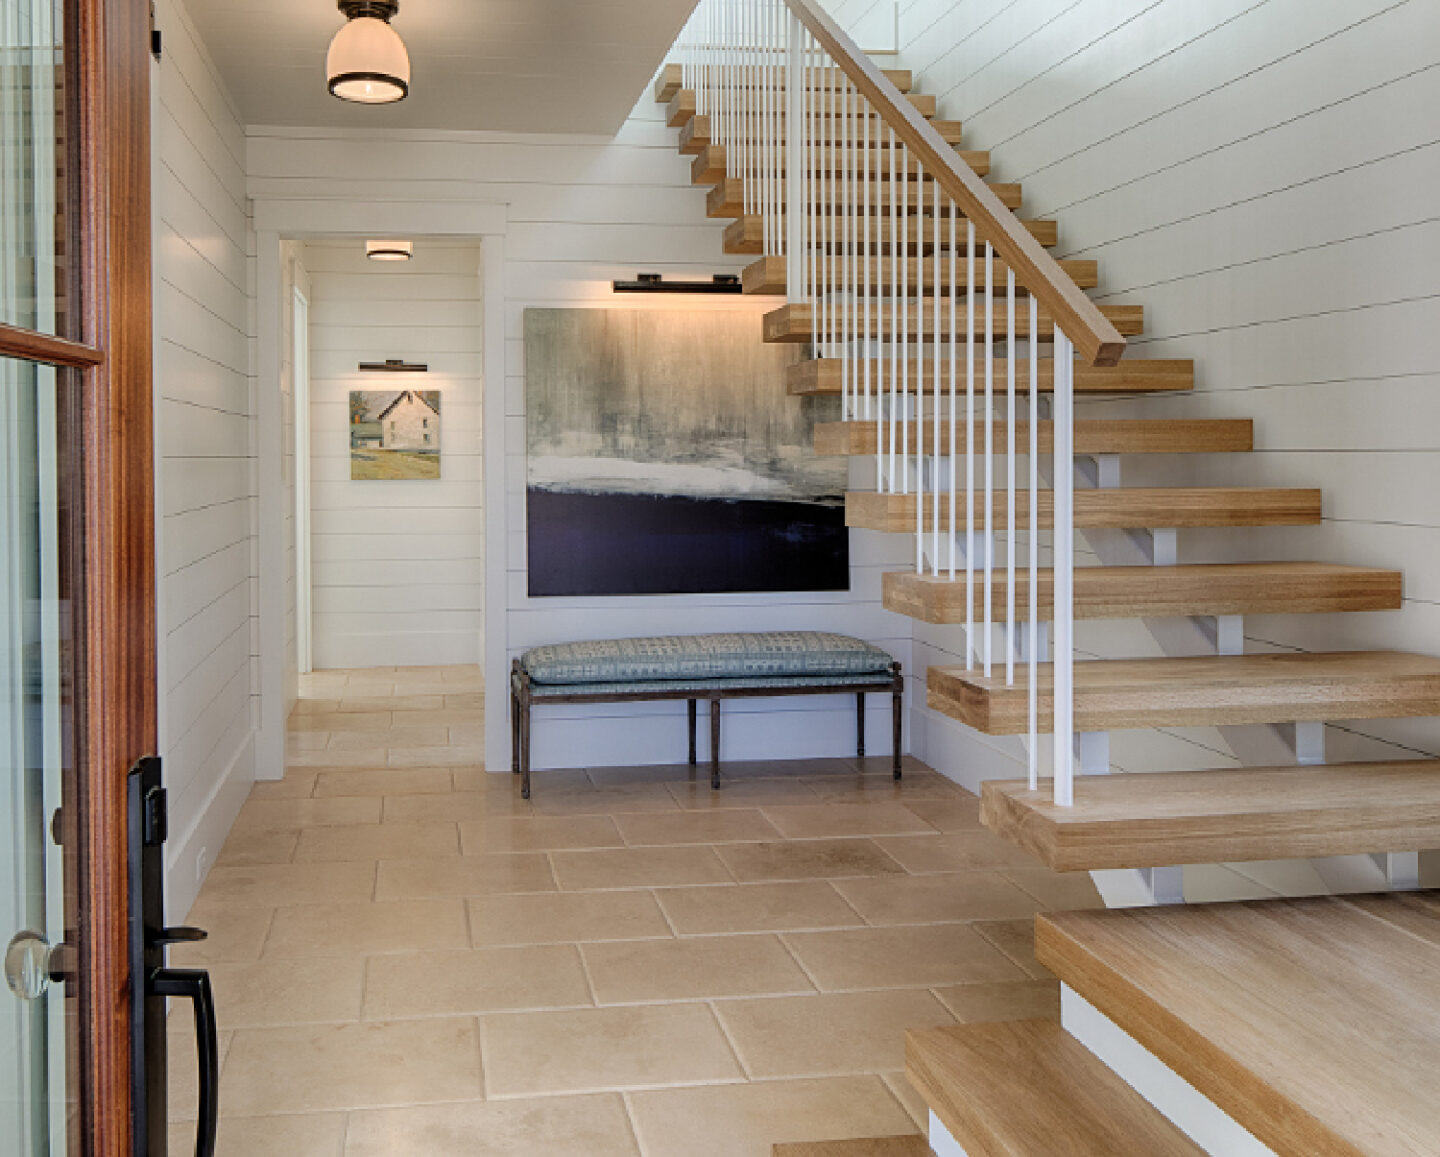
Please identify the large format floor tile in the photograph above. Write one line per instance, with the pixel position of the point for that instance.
(746, 1120)
(854, 1032)
(640, 971)
(581, 1126)
(638, 1046)
(409, 958)
(305, 1069)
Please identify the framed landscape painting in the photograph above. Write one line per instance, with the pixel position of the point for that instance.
(394, 435)
(665, 456)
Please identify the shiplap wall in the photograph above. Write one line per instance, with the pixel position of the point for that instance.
(399, 567)
(1259, 175)
(205, 448)
(583, 211)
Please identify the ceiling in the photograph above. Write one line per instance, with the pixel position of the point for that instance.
(525, 66)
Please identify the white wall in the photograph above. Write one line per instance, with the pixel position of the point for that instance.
(205, 452)
(399, 567)
(1256, 175)
(582, 211)
(294, 278)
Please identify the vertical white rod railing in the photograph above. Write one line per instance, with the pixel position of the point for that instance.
(1010, 477)
(989, 453)
(903, 195)
(1064, 563)
(937, 361)
(894, 319)
(1033, 687)
(795, 171)
(902, 349)
(970, 649)
(867, 259)
(954, 396)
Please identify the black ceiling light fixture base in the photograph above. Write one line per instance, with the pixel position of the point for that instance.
(378, 9)
(656, 283)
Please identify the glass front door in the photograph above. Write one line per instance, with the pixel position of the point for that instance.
(36, 748)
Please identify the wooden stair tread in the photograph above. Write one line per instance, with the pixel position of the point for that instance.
(695, 133)
(912, 1145)
(1092, 436)
(792, 323)
(768, 276)
(827, 105)
(710, 166)
(1026, 1088)
(746, 234)
(727, 199)
(1127, 592)
(1313, 1023)
(1120, 508)
(1131, 376)
(672, 79)
(1226, 815)
(1202, 691)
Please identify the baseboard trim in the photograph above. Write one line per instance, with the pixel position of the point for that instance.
(183, 874)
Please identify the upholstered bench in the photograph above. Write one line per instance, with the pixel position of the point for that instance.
(695, 667)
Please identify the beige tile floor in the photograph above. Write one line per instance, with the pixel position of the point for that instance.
(410, 959)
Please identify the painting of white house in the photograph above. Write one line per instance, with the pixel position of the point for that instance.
(394, 435)
(665, 456)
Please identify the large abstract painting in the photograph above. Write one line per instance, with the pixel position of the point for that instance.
(665, 457)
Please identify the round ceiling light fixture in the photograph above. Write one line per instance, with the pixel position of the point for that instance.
(367, 62)
(389, 250)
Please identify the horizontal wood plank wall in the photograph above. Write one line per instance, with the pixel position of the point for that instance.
(399, 567)
(1253, 173)
(583, 211)
(206, 451)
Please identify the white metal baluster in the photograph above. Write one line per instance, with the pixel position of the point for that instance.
(1034, 656)
(919, 360)
(1063, 409)
(989, 450)
(935, 371)
(777, 76)
(894, 319)
(847, 250)
(812, 180)
(1010, 477)
(851, 242)
(902, 328)
(954, 395)
(970, 649)
(795, 287)
(867, 258)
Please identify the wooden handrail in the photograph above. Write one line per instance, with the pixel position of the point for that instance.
(28, 345)
(1096, 340)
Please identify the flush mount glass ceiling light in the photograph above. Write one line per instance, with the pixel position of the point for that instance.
(367, 62)
(389, 250)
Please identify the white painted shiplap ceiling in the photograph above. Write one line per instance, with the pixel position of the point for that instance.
(557, 66)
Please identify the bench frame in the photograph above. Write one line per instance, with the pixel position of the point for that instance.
(522, 700)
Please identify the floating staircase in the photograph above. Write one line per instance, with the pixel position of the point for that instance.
(1227, 997)
(1209, 690)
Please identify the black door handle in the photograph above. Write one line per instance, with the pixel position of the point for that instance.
(193, 984)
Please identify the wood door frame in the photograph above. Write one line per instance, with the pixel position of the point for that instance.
(118, 723)
(110, 512)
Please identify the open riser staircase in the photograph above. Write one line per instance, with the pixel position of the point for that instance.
(955, 347)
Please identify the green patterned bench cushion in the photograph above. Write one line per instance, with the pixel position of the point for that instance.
(669, 659)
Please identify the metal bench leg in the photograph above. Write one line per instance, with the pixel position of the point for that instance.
(690, 710)
(525, 748)
(715, 744)
(860, 724)
(898, 698)
(514, 731)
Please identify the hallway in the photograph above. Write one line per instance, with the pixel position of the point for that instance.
(410, 959)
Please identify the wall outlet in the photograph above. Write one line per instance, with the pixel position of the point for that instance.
(202, 865)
